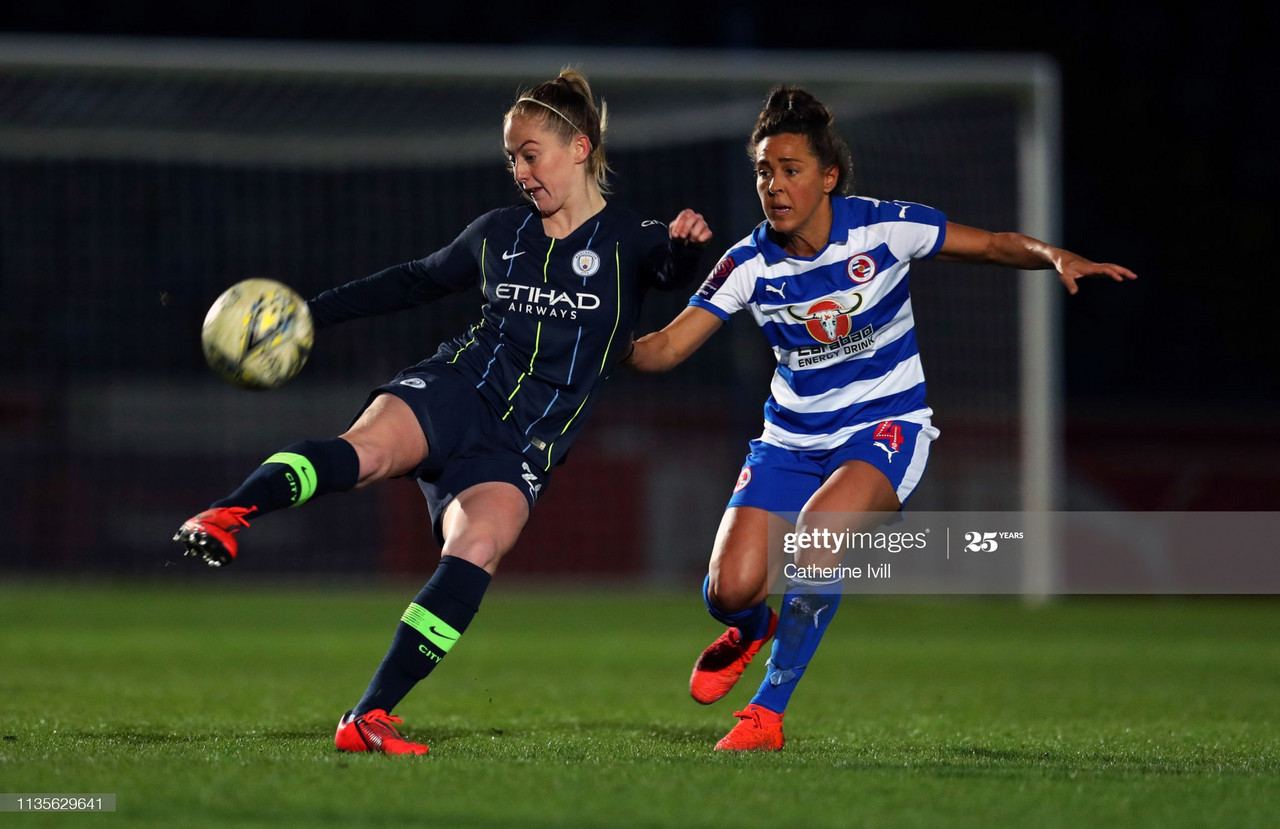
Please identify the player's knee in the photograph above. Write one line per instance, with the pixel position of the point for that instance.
(387, 439)
(479, 548)
(380, 459)
(375, 463)
(733, 594)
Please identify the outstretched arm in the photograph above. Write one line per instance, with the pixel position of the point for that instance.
(664, 350)
(450, 269)
(1015, 250)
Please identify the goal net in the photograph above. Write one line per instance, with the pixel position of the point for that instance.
(139, 178)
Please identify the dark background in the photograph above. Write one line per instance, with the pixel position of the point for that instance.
(1168, 167)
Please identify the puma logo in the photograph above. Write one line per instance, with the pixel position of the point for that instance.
(778, 291)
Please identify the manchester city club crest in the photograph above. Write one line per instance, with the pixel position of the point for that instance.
(586, 262)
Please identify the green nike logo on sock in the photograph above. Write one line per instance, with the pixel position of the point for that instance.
(437, 631)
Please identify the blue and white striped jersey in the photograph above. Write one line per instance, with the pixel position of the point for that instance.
(840, 323)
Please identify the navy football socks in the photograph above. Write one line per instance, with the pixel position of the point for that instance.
(296, 474)
(434, 621)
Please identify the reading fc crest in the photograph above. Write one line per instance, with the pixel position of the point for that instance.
(861, 269)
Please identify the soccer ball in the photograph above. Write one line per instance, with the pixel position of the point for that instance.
(257, 335)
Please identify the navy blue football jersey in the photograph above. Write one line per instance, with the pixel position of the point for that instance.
(557, 315)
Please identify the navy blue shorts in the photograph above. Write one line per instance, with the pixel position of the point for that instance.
(467, 442)
(783, 480)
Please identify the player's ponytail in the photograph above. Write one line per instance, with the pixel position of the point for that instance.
(792, 110)
(567, 108)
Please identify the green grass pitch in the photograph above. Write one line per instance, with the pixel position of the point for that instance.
(208, 705)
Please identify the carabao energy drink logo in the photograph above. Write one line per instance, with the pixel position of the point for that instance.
(826, 320)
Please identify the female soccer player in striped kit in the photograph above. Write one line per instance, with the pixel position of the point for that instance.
(481, 423)
(846, 429)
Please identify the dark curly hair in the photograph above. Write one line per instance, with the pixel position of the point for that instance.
(792, 110)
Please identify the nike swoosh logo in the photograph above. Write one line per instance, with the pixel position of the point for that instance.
(435, 632)
(508, 255)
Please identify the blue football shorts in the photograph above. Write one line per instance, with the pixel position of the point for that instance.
(783, 480)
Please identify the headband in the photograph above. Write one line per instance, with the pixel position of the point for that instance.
(568, 120)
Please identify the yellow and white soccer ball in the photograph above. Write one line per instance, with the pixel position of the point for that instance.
(257, 335)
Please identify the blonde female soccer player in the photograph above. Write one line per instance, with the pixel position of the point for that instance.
(482, 423)
(846, 428)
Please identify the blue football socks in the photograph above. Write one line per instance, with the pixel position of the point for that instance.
(806, 611)
(753, 622)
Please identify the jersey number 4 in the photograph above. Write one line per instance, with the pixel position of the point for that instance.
(890, 432)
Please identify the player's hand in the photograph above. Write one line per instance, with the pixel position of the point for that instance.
(689, 227)
(1072, 267)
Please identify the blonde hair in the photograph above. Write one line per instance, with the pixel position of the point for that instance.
(567, 108)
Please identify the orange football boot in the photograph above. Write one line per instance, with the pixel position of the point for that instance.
(211, 535)
(374, 731)
(724, 660)
(758, 729)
